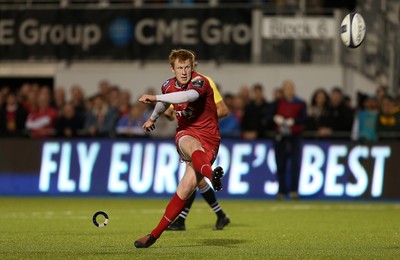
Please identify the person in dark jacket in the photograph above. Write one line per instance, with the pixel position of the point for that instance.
(69, 124)
(254, 124)
(289, 115)
(12, 117)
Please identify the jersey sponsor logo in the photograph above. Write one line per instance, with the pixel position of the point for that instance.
(166, 83)
(197, 82)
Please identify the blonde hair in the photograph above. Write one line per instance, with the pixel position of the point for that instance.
(182, 55)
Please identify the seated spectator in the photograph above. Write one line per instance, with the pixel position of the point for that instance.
(100, 120)
(131, 124)
(229, 126)
(318, 109)
(12, 117)
(68, 124)
(41, 121)
(339, 120)
(388, 125)
(254, 123)
(364, 126)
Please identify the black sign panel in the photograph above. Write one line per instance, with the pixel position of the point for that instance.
(144, 34)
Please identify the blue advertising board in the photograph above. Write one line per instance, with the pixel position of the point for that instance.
(151, 168)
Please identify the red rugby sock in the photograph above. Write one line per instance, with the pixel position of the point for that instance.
(200, 163)
(172, 210)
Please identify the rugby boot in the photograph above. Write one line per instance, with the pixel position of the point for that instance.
(145, 241)
(216, 177)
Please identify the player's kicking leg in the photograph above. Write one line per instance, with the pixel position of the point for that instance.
(174, 207)
(190, 148)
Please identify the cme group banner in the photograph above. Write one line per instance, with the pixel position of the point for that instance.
(148, 168)
(128, 34)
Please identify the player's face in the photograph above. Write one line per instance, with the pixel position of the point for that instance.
(182, 71)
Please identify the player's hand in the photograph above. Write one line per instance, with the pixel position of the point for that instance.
(147, 99)
(149, 125)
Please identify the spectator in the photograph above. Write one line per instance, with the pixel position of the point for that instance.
(238, 107)
(254, 123)
(68, 124)
(31, 101)
(41, 121)
(124, 103)
(381, 92)
(78, 101)
(318, 110)
(388, 125)
(339, 119)
(4, 91)
(364, 126)
(229, 126)
(101, 119)
(244, 93)
(113, 97)
(289, 115)
(59, 100)
(131, 124)
(277, 93)
(348, 102)
(104, 88)
(23, 94)
(12, 117)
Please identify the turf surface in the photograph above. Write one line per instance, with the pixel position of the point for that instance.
(51, 228)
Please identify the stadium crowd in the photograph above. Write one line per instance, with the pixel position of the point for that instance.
(39, 111)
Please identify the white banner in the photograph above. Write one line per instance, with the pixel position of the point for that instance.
(299, 28)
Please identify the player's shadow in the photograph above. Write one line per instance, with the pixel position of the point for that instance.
(205, 226)
(222, 242)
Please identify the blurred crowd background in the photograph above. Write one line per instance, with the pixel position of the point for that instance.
(36, 111)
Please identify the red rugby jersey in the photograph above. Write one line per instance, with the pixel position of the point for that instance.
(199, 116)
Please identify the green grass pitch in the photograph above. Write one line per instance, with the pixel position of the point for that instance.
(62, 228)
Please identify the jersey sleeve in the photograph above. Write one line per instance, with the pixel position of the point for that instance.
(165, 86)
(217, 94)
(200, 84)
